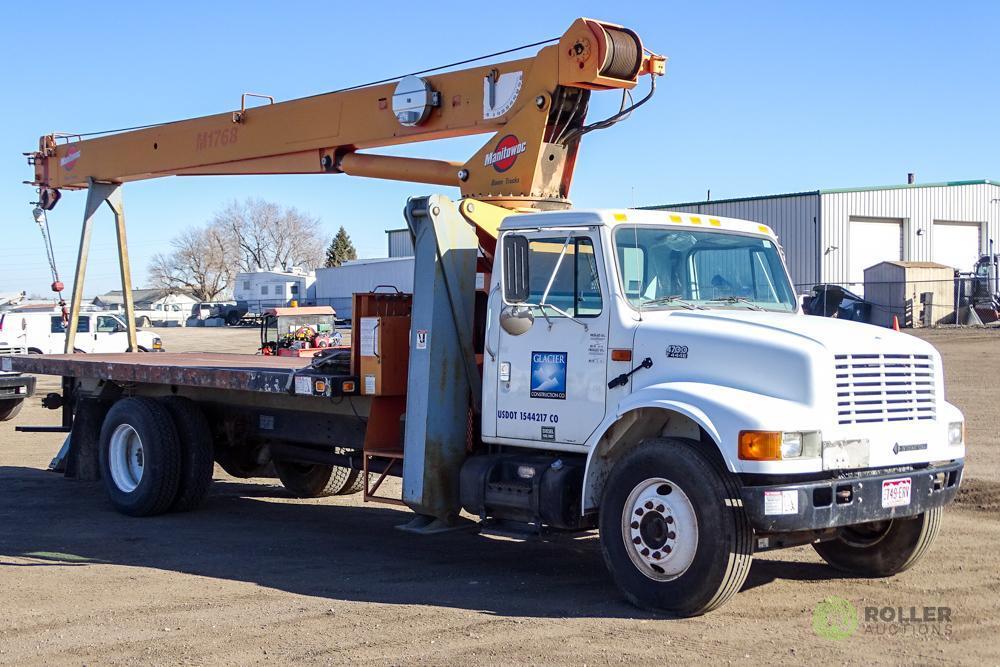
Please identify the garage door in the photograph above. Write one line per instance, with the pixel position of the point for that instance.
(956, 244)
(873, 240)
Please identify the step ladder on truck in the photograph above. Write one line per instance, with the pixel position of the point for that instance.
(646, 374)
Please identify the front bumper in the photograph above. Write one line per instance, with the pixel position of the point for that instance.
(848, 499)
(16, 386)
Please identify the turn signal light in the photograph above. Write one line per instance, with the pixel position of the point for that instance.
(760, 445)
(621, 355)
(347, 387)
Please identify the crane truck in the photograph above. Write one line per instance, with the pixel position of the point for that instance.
(646, 374)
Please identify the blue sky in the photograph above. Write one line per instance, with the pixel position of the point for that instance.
(759, 98)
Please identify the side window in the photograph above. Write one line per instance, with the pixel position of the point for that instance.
(575, 289)
(106, 324)
(83, 326)
(57, 325)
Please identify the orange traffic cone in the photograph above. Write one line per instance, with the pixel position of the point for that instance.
(895, 323)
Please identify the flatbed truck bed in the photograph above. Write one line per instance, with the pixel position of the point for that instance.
(210, 370)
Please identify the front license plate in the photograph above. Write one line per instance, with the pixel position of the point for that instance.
(896, 492)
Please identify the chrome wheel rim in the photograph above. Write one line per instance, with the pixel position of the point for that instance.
(660, 529)
(126, 458)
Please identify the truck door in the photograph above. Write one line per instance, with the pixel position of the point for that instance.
(552, 379)
(109, 334)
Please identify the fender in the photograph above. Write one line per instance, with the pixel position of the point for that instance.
(722, 412)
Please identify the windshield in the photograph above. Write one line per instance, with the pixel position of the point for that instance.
(671, 268)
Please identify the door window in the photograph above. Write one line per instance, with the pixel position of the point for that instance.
(107, 324)
(575, 288)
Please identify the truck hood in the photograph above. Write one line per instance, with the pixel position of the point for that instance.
(789, 356)
(836, 335)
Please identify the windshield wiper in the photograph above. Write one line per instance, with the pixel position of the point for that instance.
(737, 299)
(674, 298)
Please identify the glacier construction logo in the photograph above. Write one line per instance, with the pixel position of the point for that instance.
(548, 375)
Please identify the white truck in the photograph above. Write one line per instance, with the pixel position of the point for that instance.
(646, 374)
(45, 333)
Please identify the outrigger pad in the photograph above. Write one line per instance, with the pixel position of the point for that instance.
(421, 524)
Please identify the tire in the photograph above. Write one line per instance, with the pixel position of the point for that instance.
(9, 408)
(140, 457)
(318, 480)
(697, 538)
(197, 462)
(233, 318)
(882, 548)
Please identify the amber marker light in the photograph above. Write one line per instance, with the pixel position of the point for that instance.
(760, 445)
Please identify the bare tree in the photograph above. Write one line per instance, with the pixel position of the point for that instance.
(200, 263)
(267, 236)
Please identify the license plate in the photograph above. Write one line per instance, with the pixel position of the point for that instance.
(896, 492)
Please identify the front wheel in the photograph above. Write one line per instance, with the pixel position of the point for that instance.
(673, 533)
(882, 548)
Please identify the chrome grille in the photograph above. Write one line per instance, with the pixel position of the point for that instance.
(884, 388)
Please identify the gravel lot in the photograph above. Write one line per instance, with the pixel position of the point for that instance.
(258, 577)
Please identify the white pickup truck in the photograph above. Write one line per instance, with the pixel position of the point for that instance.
(45, 333)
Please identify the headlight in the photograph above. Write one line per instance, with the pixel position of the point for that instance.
(956, 433)
(791, 445)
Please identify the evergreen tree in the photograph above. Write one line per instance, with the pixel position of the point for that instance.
(341, 249)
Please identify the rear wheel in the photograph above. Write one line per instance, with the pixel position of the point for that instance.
(140, 457)
(233, 318)
(672, 533)
(318, 480)
(197, 462)
(9, 408)
(882, 548)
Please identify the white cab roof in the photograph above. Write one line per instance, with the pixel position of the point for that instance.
(615, 217)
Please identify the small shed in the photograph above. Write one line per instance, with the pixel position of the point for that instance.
(917, 293)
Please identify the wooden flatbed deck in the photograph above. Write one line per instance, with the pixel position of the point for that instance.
(241, 372)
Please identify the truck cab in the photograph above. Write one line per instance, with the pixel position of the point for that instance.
(666, 347)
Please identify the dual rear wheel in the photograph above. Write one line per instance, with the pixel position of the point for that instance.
(155, 455)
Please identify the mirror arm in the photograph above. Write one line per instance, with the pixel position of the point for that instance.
(543, 306)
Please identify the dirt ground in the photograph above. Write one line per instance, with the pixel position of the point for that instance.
(257, 577)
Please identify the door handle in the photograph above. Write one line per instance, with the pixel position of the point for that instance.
(486, 343)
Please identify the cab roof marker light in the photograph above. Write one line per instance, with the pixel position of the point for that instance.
(676, 218)
(715, 222)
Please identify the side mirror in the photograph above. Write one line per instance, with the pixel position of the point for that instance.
(516, 320)
(515, 269)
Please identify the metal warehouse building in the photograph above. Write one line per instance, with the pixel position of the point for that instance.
(832, 236)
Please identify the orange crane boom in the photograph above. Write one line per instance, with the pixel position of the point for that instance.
(535, 106)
